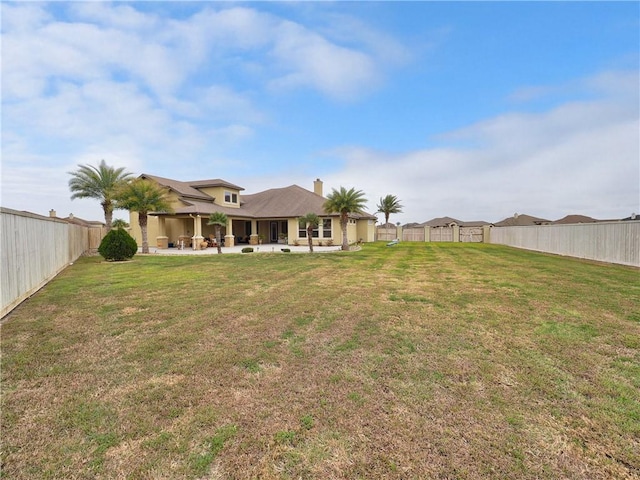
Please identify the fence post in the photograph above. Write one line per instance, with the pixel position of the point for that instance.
(427, 233)
(486, 234)
(456, 233)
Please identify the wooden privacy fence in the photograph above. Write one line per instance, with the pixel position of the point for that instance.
(431, 234)
(413, 235)
(34, 249)
(612, 242)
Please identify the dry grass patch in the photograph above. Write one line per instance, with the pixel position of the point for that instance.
(421, 361)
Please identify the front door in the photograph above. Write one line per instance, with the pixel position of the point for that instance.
(274, 232)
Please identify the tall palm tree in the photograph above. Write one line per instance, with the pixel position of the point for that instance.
(99, 182)
(143, 196)
(311, 220)
(345, 202)
(218, 219)
(388, 205)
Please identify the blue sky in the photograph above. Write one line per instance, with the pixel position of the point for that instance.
(474, 110)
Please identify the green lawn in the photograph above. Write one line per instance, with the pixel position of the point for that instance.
(444, 361)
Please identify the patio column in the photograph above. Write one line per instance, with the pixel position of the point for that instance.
(162, 241)
(253, 238)
(229, 238)
(197, 233)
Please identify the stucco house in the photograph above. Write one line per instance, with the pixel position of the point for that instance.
(271, 216)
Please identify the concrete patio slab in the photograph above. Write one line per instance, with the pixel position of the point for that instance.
(268, 248)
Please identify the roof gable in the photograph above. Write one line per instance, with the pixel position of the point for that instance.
(215, 182)
(181, 188)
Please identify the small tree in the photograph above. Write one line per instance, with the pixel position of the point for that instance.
(119, 223)
(144, 196)
(101, 182)
(388, 205)
(117, 245)
(345, 202)
(311, 220)
(219, 220)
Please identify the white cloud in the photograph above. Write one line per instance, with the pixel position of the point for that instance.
(581, 157)
(311, 60)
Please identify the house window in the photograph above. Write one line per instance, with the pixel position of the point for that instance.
(302, 231)
(230, 197)
(326, 228)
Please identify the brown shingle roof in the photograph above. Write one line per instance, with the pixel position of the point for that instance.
(575, 219)
(207, 208)
(441, 222)
(181, 188)
(286, 202)
(292, 201)
(81, 221)
(215, 182)
(521, 220)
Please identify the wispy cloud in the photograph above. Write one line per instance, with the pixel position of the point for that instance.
(567, 159)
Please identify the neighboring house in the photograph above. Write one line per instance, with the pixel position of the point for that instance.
(571, 219)
(271, 216)
(77, 220)
(519, 220)
(441, 222)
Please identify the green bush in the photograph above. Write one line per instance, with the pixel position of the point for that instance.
(247, 250)
(118, 245)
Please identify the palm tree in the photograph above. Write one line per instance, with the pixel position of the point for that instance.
(345, 202)
(99, 182)
(388, 205)
(119, 223)
(311, 220)
(218, 219)
(143, 196)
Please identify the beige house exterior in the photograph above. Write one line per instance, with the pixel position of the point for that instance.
(271, 216)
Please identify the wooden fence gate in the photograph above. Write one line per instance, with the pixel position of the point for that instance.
(471, 234)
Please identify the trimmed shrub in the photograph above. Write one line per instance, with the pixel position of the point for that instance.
(117, 245)
(247, 250)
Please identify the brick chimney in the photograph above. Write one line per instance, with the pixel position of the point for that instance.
(52, 213)
(317, 187)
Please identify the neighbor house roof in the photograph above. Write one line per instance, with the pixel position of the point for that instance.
(440, 222)
(81, 221)
(521, 220)
(575, 219)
